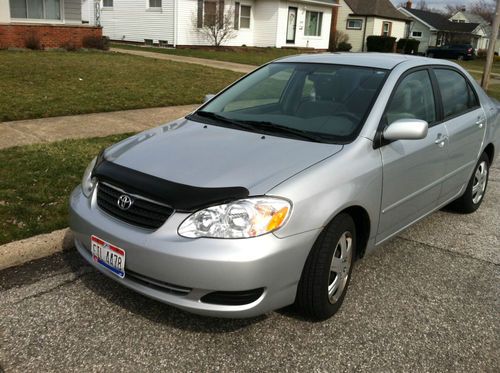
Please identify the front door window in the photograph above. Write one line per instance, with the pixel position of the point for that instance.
(292, 25)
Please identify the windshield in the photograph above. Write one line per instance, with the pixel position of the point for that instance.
(312, 101)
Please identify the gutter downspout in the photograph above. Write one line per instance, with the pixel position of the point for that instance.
(364, 35)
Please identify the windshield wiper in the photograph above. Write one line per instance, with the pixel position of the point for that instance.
(278, 128)
(222, 118)
(263, 126)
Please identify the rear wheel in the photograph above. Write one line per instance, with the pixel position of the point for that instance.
(476, 188)
(460, 57)
(430, 55)
(327, 271)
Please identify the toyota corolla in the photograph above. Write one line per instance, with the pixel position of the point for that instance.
(267, 194)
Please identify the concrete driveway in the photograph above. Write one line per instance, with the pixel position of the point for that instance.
(426, 301)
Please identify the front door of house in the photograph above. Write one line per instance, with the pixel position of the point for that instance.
(292, 25)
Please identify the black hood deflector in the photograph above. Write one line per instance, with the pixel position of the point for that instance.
(181, 197)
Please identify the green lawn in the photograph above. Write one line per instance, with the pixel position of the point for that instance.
(249, 56)
(46, 84)
(478, 65)
(36, 181)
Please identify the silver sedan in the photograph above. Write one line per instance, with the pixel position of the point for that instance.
(267, 194)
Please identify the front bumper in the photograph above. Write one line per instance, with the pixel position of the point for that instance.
(196, 266)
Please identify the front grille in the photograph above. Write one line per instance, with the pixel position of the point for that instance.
(143, 213)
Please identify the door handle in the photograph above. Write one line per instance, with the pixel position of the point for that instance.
(480, 122)
(441, 140)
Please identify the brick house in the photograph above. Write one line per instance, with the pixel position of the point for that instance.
(54, 23)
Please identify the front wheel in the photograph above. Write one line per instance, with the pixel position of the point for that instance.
(476, 188)
(328, 268)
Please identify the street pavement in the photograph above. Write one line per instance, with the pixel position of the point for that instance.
(427, 301)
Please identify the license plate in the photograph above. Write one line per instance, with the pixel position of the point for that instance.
(108, 255)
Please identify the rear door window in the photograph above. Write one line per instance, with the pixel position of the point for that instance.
(456, 93)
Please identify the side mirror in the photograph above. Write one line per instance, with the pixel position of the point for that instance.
(406, 129)
(208, 97)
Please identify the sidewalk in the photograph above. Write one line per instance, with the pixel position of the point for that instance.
(25, 132)
(238, 67)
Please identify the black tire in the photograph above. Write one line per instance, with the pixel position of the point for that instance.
(467, 203)
(430, 55)
(313, 299)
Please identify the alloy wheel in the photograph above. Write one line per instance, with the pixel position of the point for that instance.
(479, 185)
(340, 267)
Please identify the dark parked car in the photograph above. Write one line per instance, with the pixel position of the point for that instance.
(453, 51)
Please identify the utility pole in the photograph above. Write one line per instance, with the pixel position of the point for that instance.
(485, 81)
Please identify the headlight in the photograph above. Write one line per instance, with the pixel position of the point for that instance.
(88, 183)
(240, 219)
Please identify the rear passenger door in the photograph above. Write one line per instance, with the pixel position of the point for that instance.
(465, 123)
(412, 169)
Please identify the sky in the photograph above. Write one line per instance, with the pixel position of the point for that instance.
(438, 4)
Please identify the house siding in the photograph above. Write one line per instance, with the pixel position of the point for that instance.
(131, 20)
(266, 15)
(72, 11)
(188, 33)
(355, 36)
(428, 37)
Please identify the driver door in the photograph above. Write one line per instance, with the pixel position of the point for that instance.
(412, 169)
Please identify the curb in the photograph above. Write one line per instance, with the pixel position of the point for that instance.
(22, 251)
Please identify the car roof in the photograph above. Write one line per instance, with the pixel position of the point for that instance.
(376, 60)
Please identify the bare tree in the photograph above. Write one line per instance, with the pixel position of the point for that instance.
(451, 9)
(484, 8)
(217, 26)
(422, 5)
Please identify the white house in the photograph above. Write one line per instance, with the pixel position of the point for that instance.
(260, 23)
(462, 16)
(434, 29)
(362, 18)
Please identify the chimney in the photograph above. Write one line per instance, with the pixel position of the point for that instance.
(409, 4)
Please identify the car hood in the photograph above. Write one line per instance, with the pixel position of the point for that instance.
(203, 155)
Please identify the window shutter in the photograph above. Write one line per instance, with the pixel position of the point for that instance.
(221, 12)
(199, 22)
(236, 16)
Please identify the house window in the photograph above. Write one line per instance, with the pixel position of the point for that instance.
(209, 13)
(386, 28)
(107, 3)
(155, 3)
(354, 24)
(245, 12)
(313, 23)
(416, 34)
(35, 9)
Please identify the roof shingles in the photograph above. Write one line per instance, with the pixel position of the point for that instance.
(378, 8)
(441, 23)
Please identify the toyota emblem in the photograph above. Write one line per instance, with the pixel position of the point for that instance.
(124, 202)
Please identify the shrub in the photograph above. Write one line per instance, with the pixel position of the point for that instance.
(481, 53)
(380, 43)
(32, 41)
(344, 47)
(95, 42)
(69, 46)
(337, 38)
(408, 46)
